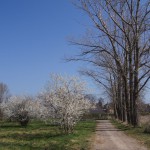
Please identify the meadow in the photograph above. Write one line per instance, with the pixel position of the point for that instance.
(39, 136)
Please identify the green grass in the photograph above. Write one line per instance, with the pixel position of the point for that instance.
(39, 136)
(137, 132)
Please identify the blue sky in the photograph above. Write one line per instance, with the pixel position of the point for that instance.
(33, 42)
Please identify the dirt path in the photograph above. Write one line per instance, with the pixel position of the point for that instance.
(109, 138)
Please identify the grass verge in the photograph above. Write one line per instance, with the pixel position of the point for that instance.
(137, 132)
(38, 136)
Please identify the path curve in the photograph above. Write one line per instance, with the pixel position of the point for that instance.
(107, 137)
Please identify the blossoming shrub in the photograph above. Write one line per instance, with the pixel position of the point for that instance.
(64, 98)
(19, 109)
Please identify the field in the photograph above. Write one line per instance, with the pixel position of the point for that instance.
(40, 136)
(138, 132)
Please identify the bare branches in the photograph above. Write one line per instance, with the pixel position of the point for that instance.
(120, 52)
(4, 92)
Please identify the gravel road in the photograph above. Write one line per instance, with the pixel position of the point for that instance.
(107, 137)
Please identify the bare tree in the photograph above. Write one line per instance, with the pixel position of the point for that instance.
(4, 92)
(119, 50)
(4, 95)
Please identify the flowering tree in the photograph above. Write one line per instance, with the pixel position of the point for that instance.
(19, 108)
(65, 101)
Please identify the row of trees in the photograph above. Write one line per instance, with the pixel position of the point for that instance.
(118, 48)
(63, 102)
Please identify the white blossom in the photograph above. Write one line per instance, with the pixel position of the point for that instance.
(65, 101)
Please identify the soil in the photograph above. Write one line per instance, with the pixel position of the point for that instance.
(107, 137)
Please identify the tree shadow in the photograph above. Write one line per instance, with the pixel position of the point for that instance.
(21, 146)
(9, 126)
(105, 125)
(108, 129)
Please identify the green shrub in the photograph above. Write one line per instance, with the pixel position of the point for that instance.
(147, 128)
(1, 114)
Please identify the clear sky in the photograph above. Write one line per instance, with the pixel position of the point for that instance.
(33, 42)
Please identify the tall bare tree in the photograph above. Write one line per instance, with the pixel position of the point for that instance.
(4, 95)
(4, 92)
(119, 50)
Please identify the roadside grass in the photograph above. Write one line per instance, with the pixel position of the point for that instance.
(137, 132)
(39, 136)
